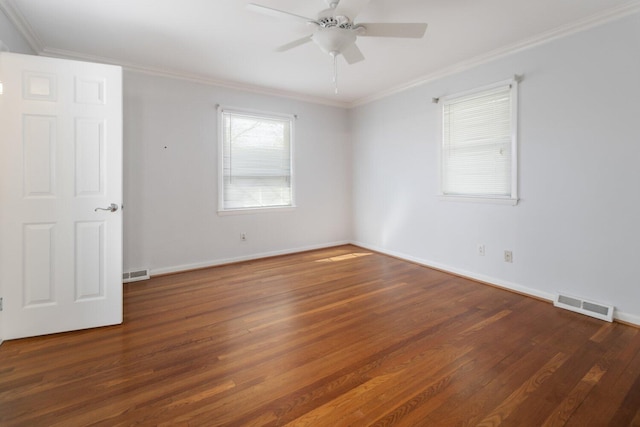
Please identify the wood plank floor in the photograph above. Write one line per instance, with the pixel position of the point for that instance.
(334, 337)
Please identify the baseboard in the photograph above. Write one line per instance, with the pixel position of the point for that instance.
(622, 317)
(251, 257)
(626, 318)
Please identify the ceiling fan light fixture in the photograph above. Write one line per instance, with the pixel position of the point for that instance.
(334, 39)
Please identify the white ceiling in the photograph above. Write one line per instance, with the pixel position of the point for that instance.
(220, 41)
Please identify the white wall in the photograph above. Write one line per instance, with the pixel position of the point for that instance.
(577, 226)
(371, 174)
(171, 192)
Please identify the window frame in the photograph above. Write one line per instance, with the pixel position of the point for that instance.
(511, 199)
(221, 110)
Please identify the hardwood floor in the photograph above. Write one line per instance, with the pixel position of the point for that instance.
(333, 337)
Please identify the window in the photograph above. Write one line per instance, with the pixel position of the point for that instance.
(479, 157)
(255, 160)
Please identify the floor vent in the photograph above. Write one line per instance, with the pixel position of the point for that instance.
(134, 276)
(590, 308)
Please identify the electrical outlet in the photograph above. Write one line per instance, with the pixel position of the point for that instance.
(508, 256)
(243, 237)
(481, 250)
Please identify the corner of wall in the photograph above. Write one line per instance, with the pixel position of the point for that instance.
(1, 320)
(15, 37)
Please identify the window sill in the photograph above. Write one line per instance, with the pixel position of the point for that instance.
(249, 211)
(479, 199)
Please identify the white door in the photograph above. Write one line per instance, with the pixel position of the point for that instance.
(60, 159)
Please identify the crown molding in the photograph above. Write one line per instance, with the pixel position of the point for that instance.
(590, 22)
(22, 25)
(194, 78)
(609, 15)
(18, 20)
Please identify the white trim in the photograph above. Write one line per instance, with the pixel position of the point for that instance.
(223, 261)
(468, 199)
(220, 165)
(490, 86)
(511, 286)
(512, 85)
(626, 317)
(194, 78)
(515, 138)
(464, 273)
(633, 319)
(250, 211)
(593, 21)
(603, 17)
(22, 25)
(257, 114)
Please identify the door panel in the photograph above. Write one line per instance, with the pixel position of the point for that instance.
(89, 260)
(89, 157)
(39, 154)
(37, 285)
(61, 158)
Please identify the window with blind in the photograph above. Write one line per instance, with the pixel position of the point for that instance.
(479, 157)
(256, 161)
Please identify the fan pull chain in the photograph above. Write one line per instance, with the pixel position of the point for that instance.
(335, 70)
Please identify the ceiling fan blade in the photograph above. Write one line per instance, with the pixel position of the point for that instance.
(276, 13)
(352, 54)
(350, 8)
(406, 30)
(293, 44)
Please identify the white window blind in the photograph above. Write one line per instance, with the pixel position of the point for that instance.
(479, 146)
(256, 161)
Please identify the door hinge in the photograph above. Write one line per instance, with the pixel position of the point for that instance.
(0, 303)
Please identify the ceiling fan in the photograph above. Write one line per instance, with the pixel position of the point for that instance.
(335, 32)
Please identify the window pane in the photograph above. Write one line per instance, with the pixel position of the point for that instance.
(256, 161)
(477, 144)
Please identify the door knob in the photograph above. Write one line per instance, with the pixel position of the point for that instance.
(112, 208)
